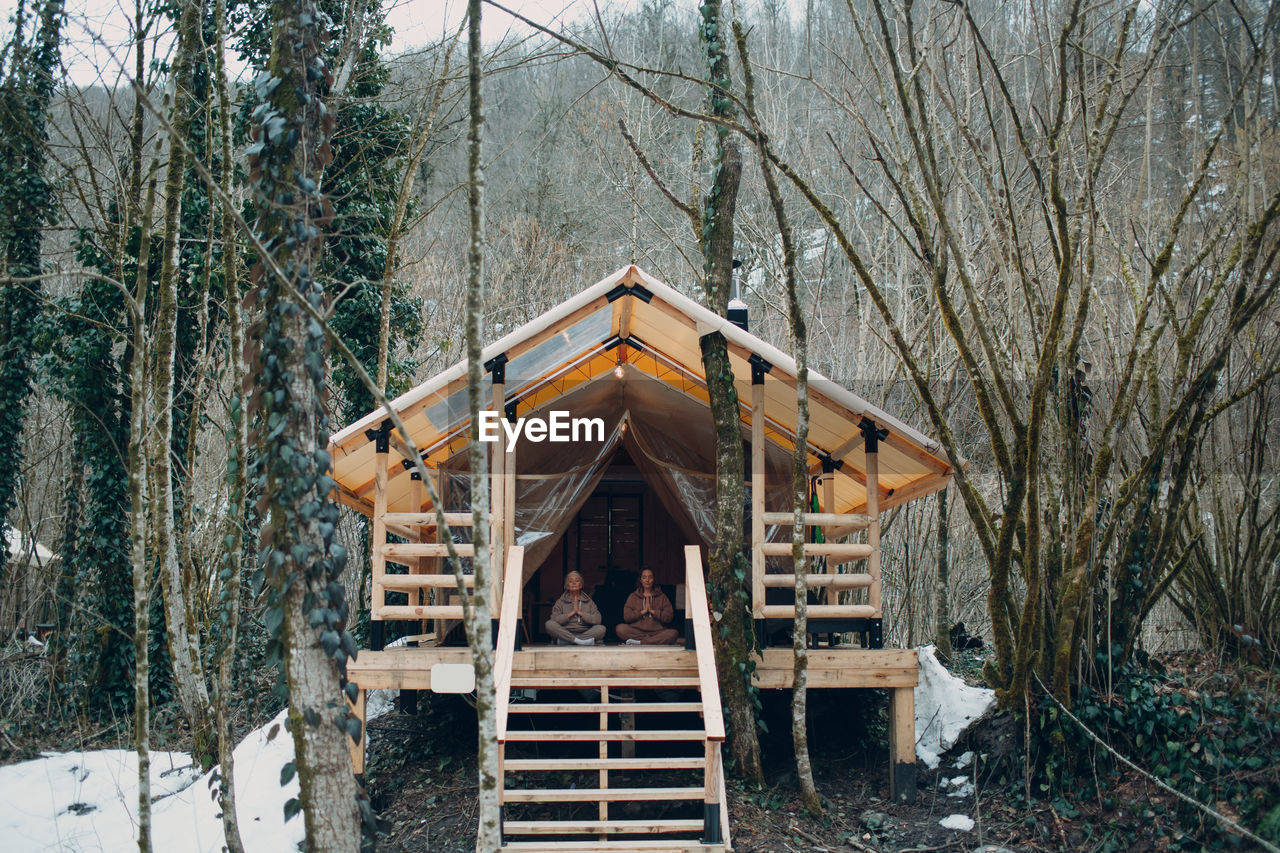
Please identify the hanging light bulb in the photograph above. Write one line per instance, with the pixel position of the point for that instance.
(617, 370)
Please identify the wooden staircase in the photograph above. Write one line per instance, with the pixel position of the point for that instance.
(620, 749)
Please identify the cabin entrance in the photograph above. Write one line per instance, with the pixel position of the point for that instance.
(620, 529)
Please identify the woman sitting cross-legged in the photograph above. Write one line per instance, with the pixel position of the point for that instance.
(575, 617)
(647, 612)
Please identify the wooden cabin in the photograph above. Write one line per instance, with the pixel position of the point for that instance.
(619, 747)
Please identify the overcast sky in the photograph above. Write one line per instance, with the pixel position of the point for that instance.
(97, 30)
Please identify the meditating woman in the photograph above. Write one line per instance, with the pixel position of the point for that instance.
(647, 612)
(575, 617)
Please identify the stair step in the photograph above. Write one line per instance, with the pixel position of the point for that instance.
(593, 795)
(606, 707)
(638, 845)
(597, 827)
(597, 735)
(598, 681)
(515, 765)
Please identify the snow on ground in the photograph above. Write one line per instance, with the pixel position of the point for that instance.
(87, 801)
(945, 707)
(962, 822)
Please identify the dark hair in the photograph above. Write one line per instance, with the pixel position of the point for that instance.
(640, 586)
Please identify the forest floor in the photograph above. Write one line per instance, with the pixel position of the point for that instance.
(422, 781)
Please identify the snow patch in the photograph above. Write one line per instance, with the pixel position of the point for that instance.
(964, 823)
(945, 707)
(87, 802)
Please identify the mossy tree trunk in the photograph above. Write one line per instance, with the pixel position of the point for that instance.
(307, 609)
(478, 625)
(727, 569)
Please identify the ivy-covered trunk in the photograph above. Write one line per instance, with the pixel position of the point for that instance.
(307, 608)
(26, 205)
(727, 569)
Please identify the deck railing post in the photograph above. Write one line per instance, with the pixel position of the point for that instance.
(711, 830)
(873, 435)
(758, 369)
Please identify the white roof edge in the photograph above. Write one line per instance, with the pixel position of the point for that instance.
(699, 313)
(459, 369)
(779, 359)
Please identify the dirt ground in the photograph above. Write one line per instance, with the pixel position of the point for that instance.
(422, 783)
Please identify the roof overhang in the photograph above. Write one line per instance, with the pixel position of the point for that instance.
(634, 318)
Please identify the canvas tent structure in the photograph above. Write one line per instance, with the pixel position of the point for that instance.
(633, 483)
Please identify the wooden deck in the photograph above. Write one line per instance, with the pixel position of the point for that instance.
(405, 668)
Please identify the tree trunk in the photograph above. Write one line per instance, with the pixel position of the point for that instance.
(727, 567)
(184, 642)
(26, 201)
(479, 627)
(941, 585)
(237, 457)
(307, 608)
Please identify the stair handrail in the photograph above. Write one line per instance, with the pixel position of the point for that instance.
(506, 646)
(700, 614)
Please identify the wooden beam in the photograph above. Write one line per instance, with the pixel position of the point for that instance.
(425, 549)
(837, 551)
(377, 559)
(696, 594)
(428, 519)
(852, 520)
(873, 532)
(829, 506)
(757, 500)
(902, 744)
(429, 581)
(356, 746)
(821, 611)
(849, 581)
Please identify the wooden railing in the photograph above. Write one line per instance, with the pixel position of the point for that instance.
(836, 553)
(506, 645)
(714, 821)
(426, 562)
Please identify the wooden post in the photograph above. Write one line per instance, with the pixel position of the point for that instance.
(604, 754)
(829, 505)
(711, 830)
(377, 560)
(440, 596)
(902, 744)
(757, 492)
(357, 746)
(873, 529)
(509, 502)
(497, 503)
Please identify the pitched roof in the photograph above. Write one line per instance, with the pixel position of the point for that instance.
(633, 317)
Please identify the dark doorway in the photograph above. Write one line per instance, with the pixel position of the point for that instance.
(609, 535)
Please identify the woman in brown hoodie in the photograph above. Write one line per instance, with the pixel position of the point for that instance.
(646, 614)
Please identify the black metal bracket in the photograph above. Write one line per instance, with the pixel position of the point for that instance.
(639, 291)
(498, 367)
(873, 434)
(510, 411)
(872, 630)
(829, 465)
(711, 823)
(380, 436)
(631, 341)
(759, 367)
(408, 465)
